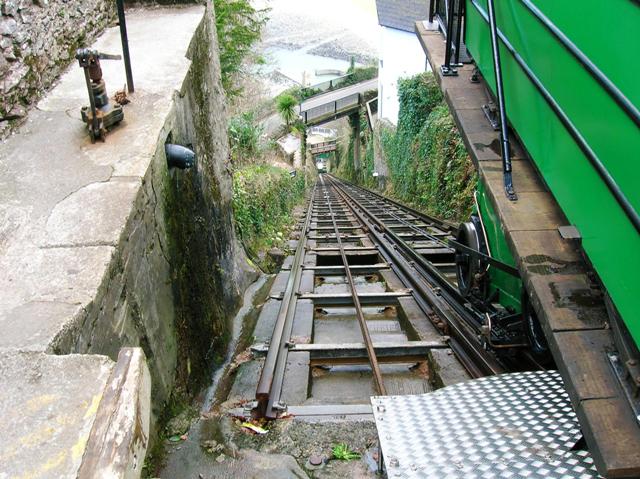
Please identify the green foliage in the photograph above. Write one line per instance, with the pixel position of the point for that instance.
(428, 164)
(352, 64)
(342, 452)
(345, 166)
(286, 106)
(354, 75)
(359, 74)
(429, 167)
(239, 27)
(263, 199)
(308, 92)
(418, 96)
(244, 137)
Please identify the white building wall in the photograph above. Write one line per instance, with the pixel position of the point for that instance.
(401, 55)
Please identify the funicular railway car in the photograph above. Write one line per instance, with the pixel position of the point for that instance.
(552, 249)
(321, 163)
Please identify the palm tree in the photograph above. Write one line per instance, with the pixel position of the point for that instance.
(286, 106)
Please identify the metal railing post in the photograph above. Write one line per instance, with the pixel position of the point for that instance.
(459, 31)
(504, 134)
(125, 44)
(433, 5)
(447, 69)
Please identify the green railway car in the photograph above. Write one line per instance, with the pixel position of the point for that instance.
(564, 83)
(572, 97)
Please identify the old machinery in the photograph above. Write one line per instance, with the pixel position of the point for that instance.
(100, 114)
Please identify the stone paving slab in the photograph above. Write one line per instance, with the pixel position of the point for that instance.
(60, 395)
(64, 208)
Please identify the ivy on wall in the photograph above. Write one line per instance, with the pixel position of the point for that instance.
(429, 167)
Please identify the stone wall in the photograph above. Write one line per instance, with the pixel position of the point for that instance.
(177, 274)
(38, 40)
(211, 270)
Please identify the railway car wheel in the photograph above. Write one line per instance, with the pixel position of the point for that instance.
(533, 330)
(468, 268)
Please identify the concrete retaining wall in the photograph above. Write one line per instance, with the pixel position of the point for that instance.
(177, 273)
(38, 40)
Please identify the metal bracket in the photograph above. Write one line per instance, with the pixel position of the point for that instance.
(569, 232)
(491, 114)
(280, 407)
(628, 376)
(475, 75)
(508, 186)
(448, 71)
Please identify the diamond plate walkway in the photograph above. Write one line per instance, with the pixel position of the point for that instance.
(518, 425)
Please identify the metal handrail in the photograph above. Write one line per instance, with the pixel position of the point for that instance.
(604, 174)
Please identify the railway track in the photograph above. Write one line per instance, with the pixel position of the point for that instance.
(365, 303)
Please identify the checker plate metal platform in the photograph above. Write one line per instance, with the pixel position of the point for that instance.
(518, 425)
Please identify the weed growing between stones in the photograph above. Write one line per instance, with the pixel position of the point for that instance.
(342, 452)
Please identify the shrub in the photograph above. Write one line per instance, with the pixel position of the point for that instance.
(429, 167)
(239, 27)
(263, 199)
(244, 137)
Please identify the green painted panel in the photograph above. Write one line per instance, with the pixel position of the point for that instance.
(607, 32)
(510, 287)
(609, 238)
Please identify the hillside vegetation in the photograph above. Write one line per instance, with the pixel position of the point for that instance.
(429, 167)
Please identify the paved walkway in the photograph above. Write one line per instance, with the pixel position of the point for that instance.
(63, 205)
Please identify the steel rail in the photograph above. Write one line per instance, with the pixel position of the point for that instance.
(271, 378)
(371, 353)
(416, 258)
(415, 228)
(430, 272)
(462, 339)
(442, 224)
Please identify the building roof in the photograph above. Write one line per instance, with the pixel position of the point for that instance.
(401, 14)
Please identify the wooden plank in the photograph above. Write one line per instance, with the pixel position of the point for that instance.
(566, 302)
(545, 252)
(532, 211)
(581, 354)
(524, 176)
(119, 437)
(609, 423)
